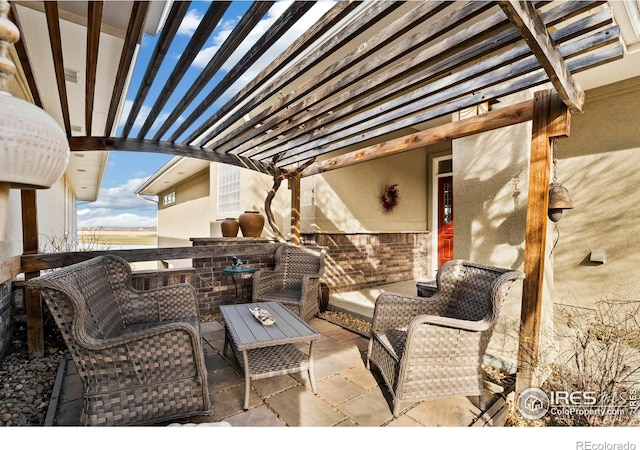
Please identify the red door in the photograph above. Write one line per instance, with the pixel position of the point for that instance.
(445, 220)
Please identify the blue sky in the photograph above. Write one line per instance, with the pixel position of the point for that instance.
(117, 205)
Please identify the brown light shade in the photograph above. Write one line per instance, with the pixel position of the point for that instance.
(559, 200)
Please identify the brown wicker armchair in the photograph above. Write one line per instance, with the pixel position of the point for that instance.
(294, 281)
(139, 353)
(430, 347)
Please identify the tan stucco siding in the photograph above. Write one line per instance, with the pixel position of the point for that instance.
(600, 165)
(348, 199)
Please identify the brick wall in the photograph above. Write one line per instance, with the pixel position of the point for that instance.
(6, 317)
(215, 288)
(362, 260)
(353, 261)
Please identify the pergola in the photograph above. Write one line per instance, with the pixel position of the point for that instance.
(366, 80)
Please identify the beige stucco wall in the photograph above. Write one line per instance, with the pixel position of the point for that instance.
(600, 165)
(188, 217)
(347, 199)
(490, 183)
(56, 219)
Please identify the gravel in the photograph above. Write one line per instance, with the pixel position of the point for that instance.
(26, 384)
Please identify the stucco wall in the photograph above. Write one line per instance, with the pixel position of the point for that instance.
(490, 183)
(599, 164)
(189, 216)
(347, 199)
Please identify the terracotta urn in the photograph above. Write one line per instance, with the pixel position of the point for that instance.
(230, 227)
(251, 223)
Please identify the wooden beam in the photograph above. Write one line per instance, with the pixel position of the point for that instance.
(328, 103)
(299, 120)
(9, 268)
(45, 261)
(527, 21)
(551, 119)
(490, 85)
(25, 62)
(93, 43)
(134, 34)
(33, 302)
(500, 118)
(249, 20)
(275, 32)
(169, 30)
(339, 71)
(94, 143)
(338, 12)
(53, 24)
(294, 186)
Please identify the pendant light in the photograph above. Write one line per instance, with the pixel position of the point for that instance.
(559, 197)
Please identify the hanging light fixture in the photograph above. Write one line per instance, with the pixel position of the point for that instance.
(34, 150)
(559, 197)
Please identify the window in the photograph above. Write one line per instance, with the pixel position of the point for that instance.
(228, 189)
(169, 198)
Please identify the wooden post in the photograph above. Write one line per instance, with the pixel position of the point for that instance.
(33, 302)
(551, 119)
(294, 186)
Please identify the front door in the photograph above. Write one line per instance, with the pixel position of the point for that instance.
(445, 219)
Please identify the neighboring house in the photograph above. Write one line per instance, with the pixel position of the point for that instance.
(194, 196)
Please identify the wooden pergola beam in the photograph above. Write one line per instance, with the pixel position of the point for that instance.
(294, 187)
(527, 21)
(93, 43)
(510, 115)
(134, 33)
(25, 61)
(253, 16)
(551, 119)
(169, 30)
(101, 143)
(53, 24)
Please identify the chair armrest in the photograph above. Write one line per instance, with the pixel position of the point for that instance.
(165, 303)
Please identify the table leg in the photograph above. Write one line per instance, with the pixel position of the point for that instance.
(235, 284)
(312, 378)
(247, 380)
(226, 340)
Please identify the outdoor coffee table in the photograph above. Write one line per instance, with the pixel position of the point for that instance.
(268, 350)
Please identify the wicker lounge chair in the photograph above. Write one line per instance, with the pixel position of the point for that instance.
(138, 353)
(430, 347)
(294, 281)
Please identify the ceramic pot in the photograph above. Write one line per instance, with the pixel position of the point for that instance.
(230, 227)
(251, 223)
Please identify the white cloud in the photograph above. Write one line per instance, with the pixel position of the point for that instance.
(190, 22)
(119, 207)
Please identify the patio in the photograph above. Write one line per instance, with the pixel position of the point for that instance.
(348, 394)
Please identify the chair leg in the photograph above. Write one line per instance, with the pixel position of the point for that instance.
(368, 363)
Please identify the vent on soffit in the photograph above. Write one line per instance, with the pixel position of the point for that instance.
(71, 75)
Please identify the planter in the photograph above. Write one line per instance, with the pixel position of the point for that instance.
(251, 223)
(230, 227)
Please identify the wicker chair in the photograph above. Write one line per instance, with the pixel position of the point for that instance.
(139, 353)
(430, 347)
(294, 281)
